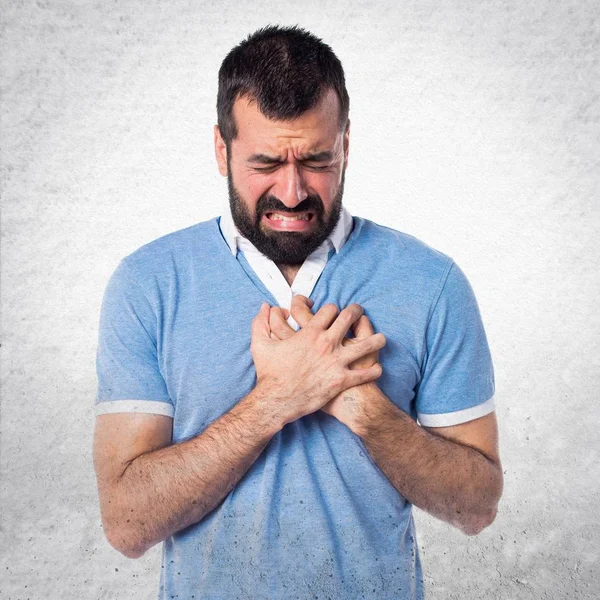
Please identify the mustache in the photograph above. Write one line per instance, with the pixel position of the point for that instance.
(273, 204)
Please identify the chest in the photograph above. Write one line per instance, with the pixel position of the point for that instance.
(207, 364)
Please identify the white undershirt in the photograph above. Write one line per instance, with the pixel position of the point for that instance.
(268, 272)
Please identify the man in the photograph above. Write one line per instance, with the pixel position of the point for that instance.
(276, 450)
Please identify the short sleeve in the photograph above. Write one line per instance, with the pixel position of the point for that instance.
(129, 378)
(457, 375)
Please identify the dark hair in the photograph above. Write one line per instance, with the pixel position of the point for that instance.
(286, 70)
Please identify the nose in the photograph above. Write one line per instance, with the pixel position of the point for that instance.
(291, 187)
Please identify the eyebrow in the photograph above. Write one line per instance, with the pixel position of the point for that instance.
(264, 159)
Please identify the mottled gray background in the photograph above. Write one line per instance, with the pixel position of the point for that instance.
(475, 127)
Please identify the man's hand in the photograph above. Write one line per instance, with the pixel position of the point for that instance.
(348, 406)
(457, 479)
(309, 368)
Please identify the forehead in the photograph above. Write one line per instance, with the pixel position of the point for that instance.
(315, 129)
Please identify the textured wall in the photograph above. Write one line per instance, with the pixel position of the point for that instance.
(475, 127)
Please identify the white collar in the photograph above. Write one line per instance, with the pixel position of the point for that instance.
(234, 238)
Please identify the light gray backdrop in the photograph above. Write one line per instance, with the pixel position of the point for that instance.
(475, 127)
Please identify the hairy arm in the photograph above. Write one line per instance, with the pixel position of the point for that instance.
(149, 489)
(453, 473)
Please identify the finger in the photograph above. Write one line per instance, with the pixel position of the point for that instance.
(344, 321)
(363, 347)
(304, 300)
(300, 310)
(260, 323)
(362, 328)
(279, 325)
(301, 313)
(360, 376)
(323, 318)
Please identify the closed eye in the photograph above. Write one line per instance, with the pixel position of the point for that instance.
(273, 167)
(265, 169)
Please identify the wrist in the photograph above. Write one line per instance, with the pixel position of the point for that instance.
(376, 410)
(268, 406)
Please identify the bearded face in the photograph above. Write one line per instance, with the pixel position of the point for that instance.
(279, 242)
(285, 178)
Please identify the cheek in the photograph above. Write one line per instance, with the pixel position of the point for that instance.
(256, 190)
(326, 185)
(250, 189)
(256, 187)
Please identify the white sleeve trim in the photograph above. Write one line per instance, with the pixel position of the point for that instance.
(135, 406)
(457, 417)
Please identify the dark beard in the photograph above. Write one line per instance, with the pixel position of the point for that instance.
(285, 247)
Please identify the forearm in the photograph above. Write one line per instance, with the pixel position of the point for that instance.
(453, 482)
(164, 491)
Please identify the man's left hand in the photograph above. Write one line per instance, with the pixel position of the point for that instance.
(350, 406)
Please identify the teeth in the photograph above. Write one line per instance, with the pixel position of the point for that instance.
(276, 217)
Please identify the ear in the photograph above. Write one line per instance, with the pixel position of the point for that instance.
(220, 152)
(346, 144)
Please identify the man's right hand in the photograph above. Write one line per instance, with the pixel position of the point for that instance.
(305, 371)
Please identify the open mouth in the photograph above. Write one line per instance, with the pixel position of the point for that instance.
(290, 222)
(304, 216)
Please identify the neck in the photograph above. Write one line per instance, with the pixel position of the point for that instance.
(289, 272)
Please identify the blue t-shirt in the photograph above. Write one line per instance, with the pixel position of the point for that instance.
(313, 517)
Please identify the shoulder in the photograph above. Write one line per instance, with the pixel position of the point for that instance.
(412, 256)
(174, 251)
